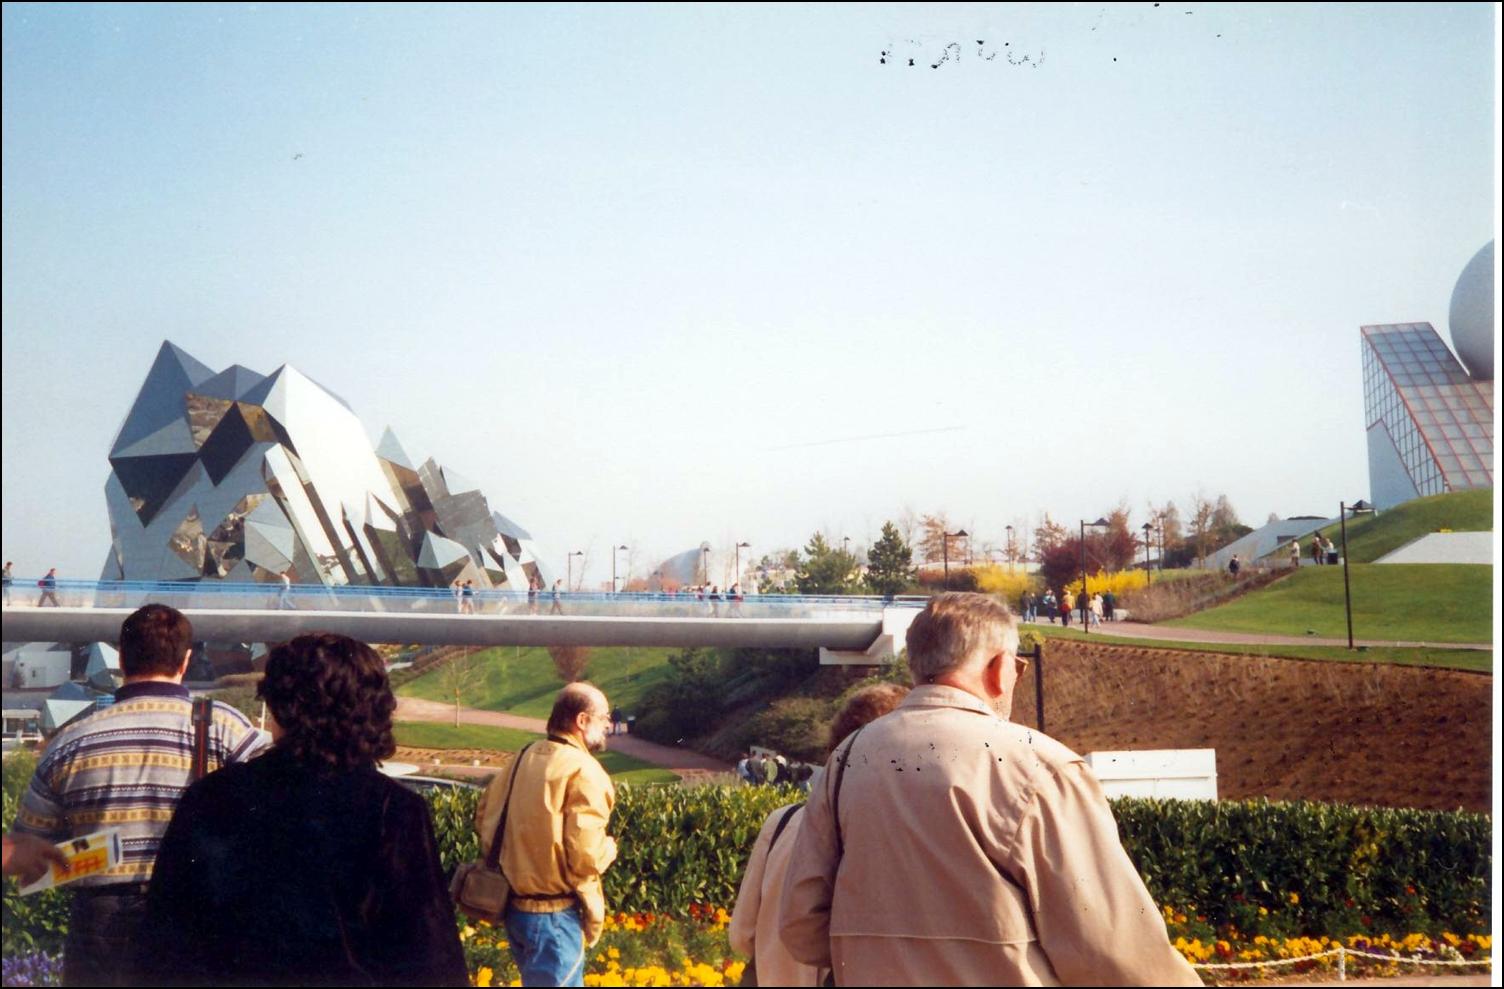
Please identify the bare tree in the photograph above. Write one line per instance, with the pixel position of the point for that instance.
(570, 661)
(1203, 512)
(461, 675)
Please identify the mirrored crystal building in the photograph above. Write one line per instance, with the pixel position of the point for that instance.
(240, 476)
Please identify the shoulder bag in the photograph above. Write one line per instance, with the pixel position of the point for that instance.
(480, 889)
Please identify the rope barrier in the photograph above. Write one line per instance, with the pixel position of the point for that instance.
(1341, 953)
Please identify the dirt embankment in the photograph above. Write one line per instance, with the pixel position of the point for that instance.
(1286, 729)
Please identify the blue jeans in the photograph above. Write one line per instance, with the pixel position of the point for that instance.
(549, 948)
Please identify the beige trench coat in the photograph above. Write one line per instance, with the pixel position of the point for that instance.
(976, 852)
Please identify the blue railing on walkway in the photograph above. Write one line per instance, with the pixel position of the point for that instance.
(26, 592)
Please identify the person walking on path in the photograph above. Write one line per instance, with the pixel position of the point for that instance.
(48, 584)
(555, 848)
(126, 767)
(754, 921)
(946, 845)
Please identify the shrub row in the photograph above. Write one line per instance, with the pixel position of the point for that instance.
(1260, 867)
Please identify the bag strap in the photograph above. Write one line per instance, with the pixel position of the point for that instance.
(493, 855)
(835, 800)
(203, 717)
(783, 822)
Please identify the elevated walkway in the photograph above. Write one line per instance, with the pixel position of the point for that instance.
(848, 628)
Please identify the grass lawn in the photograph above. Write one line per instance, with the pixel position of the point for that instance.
(1371, 536)
(523, 681)
(1409, 602)
(1472, 660)
(428, 735)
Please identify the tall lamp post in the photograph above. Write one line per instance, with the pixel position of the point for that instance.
(704, 564)
(1010, 547)
(1098, 524)
(945, 539)
(569, 580)
(1359, 507)
(1148, 538)
(737, 579)
(614, 551)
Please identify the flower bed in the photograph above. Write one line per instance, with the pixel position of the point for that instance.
(641, 949)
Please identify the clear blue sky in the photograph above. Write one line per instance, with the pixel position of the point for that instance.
(649, 274)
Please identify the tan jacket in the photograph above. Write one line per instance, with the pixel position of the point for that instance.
(754, 923)
(555, 840)
(976, 852)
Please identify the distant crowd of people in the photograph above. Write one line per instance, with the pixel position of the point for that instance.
(1100, 607)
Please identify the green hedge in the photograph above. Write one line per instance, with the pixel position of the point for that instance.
(1314, 869)
(676, 845)
(31, 923)
(1351, 869)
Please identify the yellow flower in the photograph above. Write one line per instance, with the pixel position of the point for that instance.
(1263, 911)
(1294, 899)
(484, 976)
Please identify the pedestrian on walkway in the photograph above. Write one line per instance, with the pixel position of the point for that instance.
(48, 584)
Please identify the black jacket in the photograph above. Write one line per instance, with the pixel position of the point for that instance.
(271, 874)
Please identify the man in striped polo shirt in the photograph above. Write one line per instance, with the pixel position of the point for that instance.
(125, 767)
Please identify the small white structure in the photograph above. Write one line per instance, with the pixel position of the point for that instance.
(1445, 547)
(37, 665)
(1178, 774)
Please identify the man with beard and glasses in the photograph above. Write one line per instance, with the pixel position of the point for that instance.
(554, 846)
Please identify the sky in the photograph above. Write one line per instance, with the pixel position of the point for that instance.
(658, 275)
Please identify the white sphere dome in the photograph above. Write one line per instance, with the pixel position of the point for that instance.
(1472, 316)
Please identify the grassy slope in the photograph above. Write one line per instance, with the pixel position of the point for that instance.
(1371, 536)
(428, 735)
(1399, 602)
(523, 681)
(1472, 660)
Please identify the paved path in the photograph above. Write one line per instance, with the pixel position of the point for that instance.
(680, 761)
(1167, 633)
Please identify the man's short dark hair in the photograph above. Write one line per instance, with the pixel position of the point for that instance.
(154, 640)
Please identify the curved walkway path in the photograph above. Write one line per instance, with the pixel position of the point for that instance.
(1167, 633)
(680, 761)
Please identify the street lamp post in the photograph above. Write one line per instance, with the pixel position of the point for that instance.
(1148, 537)
(569, 579)
(737, 579)
(614, 551)
(1360, 507)
(945, 538)
(1010, 547)
(705, 564)
(1098, 524)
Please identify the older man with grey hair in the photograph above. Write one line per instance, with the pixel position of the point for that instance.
(948, 846)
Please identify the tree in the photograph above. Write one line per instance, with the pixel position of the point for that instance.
(570, 661)
(1047, 536)
(890, 562)
(932, 530)
(826, 570)
(1201, 524)
(459, 676)
(1117, 548)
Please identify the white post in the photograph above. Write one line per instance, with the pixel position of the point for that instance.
(1341, 963)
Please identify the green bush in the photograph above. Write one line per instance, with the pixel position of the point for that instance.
(1351, 869)
(31, 923)
(1317, 869)
(798, 727)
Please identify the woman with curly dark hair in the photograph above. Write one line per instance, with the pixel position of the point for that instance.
(306, 866)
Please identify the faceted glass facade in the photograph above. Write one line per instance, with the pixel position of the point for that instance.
(1430, 425)
(241, 476)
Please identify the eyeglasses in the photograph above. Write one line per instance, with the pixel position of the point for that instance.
(1020, 665)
